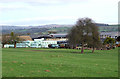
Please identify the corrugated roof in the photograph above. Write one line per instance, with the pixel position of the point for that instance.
(110, 33)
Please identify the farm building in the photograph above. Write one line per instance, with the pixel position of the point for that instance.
(63, 37)
(37, 43)
(24, 44)
(53, 37)
(114, 35)
(109, 34)
(45, 40)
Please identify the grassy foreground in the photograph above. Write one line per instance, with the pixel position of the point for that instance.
(33, 62)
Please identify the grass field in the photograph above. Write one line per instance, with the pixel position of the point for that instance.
(33, 62)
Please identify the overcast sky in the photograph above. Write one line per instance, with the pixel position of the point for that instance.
(41, 12)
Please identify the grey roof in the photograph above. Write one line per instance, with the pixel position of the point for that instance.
(65, 34)
(110, 33)
(58, 35)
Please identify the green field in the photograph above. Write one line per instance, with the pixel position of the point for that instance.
(33, 62)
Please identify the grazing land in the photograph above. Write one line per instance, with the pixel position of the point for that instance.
(38, 62)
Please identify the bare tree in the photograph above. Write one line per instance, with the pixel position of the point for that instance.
(94, 39)
(14, 39)
(5, 40)
(84, 33)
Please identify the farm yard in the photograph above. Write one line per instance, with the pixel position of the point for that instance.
(59, 39)
(39, 62)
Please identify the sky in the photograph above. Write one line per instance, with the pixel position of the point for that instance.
(42, 12)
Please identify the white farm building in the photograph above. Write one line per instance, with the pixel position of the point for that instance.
(37, 43)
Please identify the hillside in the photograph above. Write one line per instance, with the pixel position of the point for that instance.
(40, 30)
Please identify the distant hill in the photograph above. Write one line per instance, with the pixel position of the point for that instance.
(43, 29)
(7, 27)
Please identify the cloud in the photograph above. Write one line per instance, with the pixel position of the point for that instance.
(6, 5)
(56, 11)
(13, 6)
(43, 2)
(40, 20)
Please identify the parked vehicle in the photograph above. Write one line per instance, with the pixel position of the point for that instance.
(53, 46)
(69, 46)
(62, 45)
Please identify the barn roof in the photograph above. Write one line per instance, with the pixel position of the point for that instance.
(25, 38)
